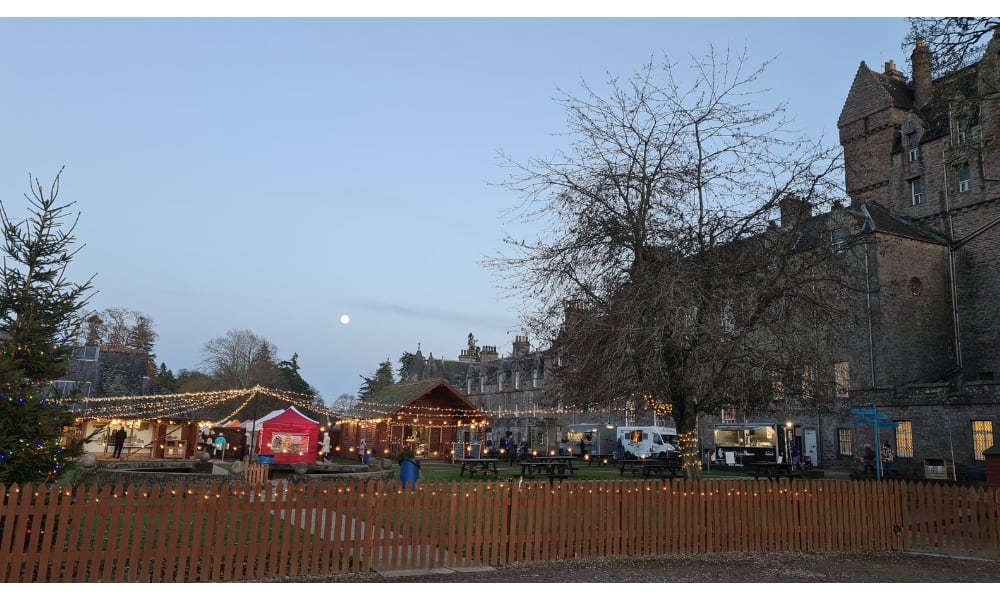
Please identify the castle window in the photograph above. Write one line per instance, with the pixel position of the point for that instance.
(839, 239)
(982, 437)
(916, 191)
(808, 381)
(729, 414)
(842, 379)
(904, 439)
(916, 286)
(913, 144)
(845, 442)
(964, 178)
(963, 130)
(866, 125)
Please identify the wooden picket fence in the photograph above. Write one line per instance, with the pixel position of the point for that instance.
(283, 530)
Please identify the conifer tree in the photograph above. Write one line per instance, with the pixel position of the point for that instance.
(40, 317)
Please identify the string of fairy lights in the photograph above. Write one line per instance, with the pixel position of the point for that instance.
(161, 406)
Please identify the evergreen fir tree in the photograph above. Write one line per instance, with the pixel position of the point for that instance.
(40, 317)
(382, 378)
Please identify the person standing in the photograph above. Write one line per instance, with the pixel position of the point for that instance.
(868, 460)
(887, 457)
(220, 446)
(119, 439)
(796, 456)
(324, 448)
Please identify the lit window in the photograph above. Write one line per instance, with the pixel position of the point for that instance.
(808, 380)
(916, 191)
(904, 439)
(842, 378)
(964, 178)
(982, 437)
(913, 144)
(845, 442)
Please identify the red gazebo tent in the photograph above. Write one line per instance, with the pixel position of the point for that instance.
(289, 436)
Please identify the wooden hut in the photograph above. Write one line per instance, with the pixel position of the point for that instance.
(426, 417)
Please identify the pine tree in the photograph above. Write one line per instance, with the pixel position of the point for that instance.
(382, 378)
(40, 317)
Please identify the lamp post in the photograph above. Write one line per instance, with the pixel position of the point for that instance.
(253, 429)
(788, 445)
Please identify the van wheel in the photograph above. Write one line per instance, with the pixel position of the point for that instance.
(661, 455)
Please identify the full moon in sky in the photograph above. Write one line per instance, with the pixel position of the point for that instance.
(345, 319)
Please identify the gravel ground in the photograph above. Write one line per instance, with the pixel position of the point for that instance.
(774, 567)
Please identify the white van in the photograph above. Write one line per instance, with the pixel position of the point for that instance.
(645, 441)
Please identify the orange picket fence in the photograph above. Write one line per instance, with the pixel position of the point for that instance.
(282, 529)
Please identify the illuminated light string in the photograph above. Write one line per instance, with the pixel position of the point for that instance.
(171, 405)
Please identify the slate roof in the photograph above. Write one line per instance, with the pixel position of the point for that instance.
(878, 218)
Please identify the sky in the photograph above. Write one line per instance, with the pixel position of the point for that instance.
(273, 174)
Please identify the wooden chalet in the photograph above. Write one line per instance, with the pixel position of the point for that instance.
(426, 417)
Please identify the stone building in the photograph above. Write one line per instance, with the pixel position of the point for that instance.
(509, 389)
(109, 371)
(922, 171)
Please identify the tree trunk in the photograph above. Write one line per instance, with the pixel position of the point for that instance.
(686, 419)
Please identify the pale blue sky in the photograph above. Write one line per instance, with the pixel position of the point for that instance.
(273, 174)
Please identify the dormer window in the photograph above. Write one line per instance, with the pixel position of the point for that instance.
(964, 178)
(913, 145)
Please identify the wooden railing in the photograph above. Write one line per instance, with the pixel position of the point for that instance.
(282, 529)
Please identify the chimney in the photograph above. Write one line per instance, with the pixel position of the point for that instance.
(487, 354)
(794, 211)
(921, 59)
(892, 71)
(521, 346)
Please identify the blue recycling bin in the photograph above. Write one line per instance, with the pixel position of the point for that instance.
(409, 473)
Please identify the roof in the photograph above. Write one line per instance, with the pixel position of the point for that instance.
(879, 219)
(430, 393)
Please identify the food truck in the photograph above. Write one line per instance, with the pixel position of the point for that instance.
(744, 443)
(597, 439)
(644, 441)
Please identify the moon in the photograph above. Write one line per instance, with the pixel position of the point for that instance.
(345, 319)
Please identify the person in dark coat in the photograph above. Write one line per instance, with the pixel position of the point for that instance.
(119, 439)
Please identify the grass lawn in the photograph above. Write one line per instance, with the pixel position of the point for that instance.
(432, 470)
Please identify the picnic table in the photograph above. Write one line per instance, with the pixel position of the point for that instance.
(774, 470)
(652, 467)
(552, 467)
(483, 465)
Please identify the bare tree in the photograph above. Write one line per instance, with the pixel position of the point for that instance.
(953, 41)
(240, 359)
(121, 327)
(660, 277)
